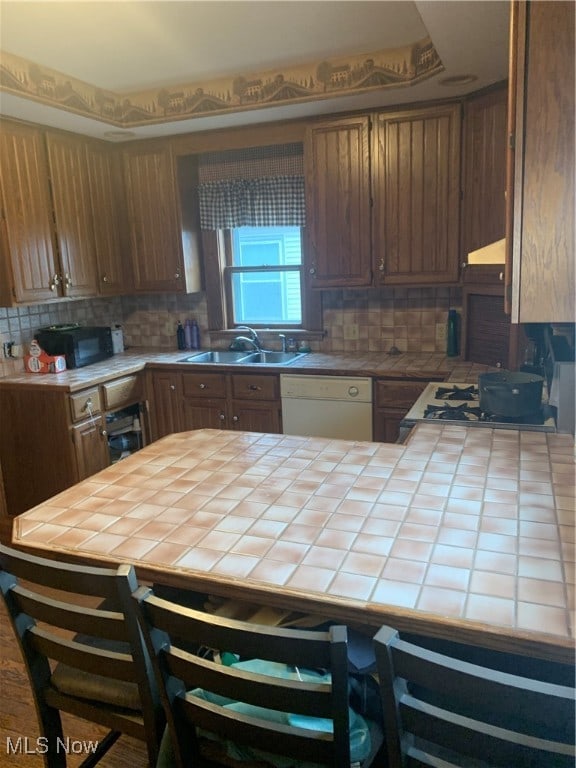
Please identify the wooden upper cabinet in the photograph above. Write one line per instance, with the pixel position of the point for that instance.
(28, 257)
(155, 228)
(484, 171)
(540, 225)
(337, 166)
(106, 184)
(416, 192)
(68, 169)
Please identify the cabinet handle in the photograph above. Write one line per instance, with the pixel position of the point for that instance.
(55, 282)
(67, 280)
(464, 264)
(177, 273)
(234, 418)
(501, 276)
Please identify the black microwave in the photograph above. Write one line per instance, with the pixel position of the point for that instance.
(80, 345)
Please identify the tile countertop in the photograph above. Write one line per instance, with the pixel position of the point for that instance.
(463, 534)
(426, 365)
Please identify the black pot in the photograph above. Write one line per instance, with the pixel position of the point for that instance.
(510, 394)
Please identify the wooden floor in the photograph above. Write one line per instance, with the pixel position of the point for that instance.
(18, 725)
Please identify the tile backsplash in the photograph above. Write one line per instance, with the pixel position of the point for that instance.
(371, 320)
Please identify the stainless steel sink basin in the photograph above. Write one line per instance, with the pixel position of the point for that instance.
(272, 358)
(217, 356)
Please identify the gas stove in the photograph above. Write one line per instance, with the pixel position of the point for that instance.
(448, 402)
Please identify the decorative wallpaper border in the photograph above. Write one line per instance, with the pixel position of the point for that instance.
(394, 68)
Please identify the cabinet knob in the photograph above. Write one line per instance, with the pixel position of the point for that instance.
(67, 280)
(464, 264)
(54, 282)
(104, 432)
(177, 273)
(221, 416)
(172, 387)
(202, 386)
(104, 278)
(235, 418)
(381, 266)
(501, 276)
(312, 270)
(254, 388)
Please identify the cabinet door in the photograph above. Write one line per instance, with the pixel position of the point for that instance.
(338, 203)
(254, 416)
(154, 220)
(28, 262)
(392, 401)
(73, 214)
(416, 191)
(540, 225)
(166, 406)
(204, 414)
(91, 447)
(106, 184)
(484, 152)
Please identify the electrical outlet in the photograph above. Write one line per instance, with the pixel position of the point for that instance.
(351, 332)
(440, 332)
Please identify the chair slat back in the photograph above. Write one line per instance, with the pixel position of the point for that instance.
(81, 621)
(191, 684)
(439, 708)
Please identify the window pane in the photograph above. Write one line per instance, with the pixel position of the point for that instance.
(269, 297)
(266, 246)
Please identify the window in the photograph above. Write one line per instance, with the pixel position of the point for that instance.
(264, 276)
(252, 210)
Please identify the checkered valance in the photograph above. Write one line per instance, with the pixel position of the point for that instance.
(257, 187)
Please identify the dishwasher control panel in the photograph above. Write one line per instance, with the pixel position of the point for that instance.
(349, 388)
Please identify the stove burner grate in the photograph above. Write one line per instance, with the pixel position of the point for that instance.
(462, 412)
(457, 393)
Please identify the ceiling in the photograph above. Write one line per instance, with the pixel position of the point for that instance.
(128, 46)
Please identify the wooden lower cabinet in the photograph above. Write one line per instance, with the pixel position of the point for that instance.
(52, 439)
(90, 447)
(208, 400)
(165, 403)
(392, 401)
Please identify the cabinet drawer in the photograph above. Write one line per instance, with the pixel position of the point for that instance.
(85, 403)
(204, 385)
(401, 394)
(255, 387)
(122, 392)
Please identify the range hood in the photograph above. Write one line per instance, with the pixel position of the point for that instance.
(495, 253)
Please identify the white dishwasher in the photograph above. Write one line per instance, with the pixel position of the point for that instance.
(327, 406)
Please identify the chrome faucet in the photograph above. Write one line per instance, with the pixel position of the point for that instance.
(253, 340)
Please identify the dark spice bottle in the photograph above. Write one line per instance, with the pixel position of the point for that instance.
(180, 340)
(452, 334)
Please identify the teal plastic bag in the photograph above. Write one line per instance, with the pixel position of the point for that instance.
(360, 743)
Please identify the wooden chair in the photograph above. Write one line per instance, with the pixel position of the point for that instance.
(83, 656)
(214, 709)
(445, 712)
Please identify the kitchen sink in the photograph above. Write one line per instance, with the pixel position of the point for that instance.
(217, 356)
(228, 357)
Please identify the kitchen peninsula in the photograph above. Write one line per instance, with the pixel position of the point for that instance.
(460, 534)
